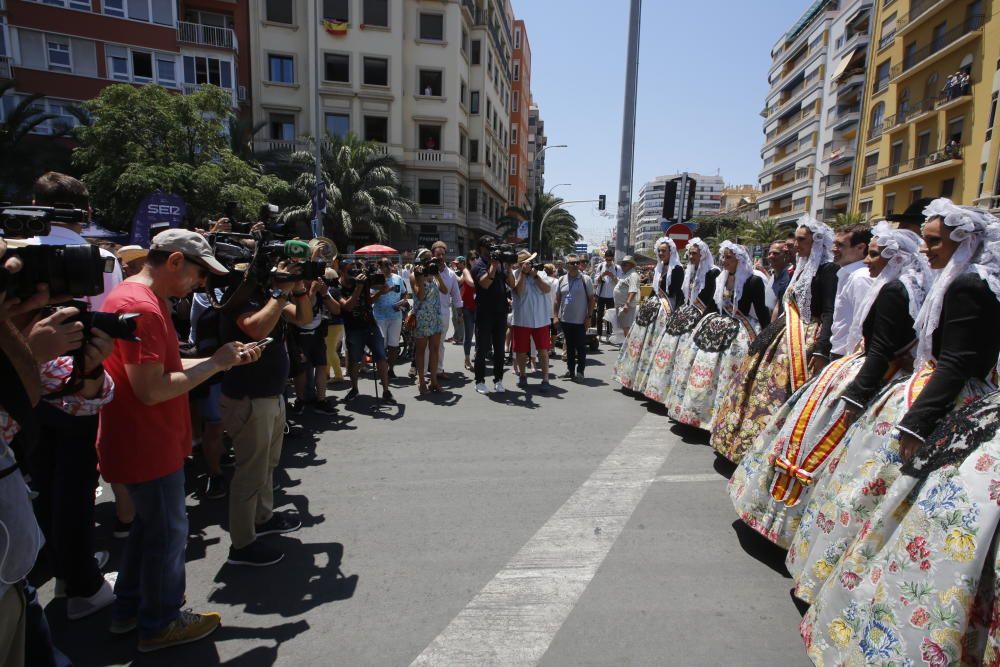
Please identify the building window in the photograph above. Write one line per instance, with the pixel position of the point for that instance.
(376, 13)
(202, 70)
(281, 68)
(429, 137)
(279, 11)
(890, 202)
(462, 92)
(513, 134)
(947, 187)
(142, 65)
(117, 62)
(465, 41)
(513, 165)
(517, 70)
(476, 54)
(282, 126)
(338, 124)
(916, 194)
(515, 101)
(337, 67)
(166, 70)
(461, 197)
(474, 102)
(432, 27)
(155, 11)
(993, 117)
(463, 142)
(336, 10)
(517, 38)
(376, 71)
(473, 200)
(429, 191)
(60, 59)
(83, 5)
(878, 115)
(473, 150)
(431, 82)
(955, 128)
(882, 76)
(982, 179)
(377, 129)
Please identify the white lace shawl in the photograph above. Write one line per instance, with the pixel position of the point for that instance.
(800, 287)
(744, 269)
(667, 270)
(694, 276)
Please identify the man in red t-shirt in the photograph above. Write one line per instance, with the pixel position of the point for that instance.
(145, 435)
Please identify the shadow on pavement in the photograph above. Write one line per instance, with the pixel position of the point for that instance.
(757, 546)
(724, 466)
(310, 576)
(689, 434)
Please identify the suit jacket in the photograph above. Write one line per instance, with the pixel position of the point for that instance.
(965, 345)
(887, 330)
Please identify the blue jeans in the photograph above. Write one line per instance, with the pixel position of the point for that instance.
(151, 577)
(469, 319)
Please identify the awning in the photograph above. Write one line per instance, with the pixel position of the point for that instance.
(842, 65)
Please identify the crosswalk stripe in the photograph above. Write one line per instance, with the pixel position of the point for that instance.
(702, 477)
(515, 617)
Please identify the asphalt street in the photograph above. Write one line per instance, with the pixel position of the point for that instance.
(579, 527)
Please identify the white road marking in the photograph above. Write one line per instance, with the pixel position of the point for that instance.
(699, 477)
(513, 620)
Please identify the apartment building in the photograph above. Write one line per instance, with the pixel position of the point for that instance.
(69, 50)
(429, 82)
(707, 202)
(536, 153)
(928, 118)
(520, 106)
(850, 34)
(794, 114)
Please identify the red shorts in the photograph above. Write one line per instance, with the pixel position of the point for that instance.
(521, 338)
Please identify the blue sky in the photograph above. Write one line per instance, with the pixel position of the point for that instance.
(702, 81)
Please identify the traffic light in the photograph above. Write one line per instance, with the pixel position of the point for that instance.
(689, 204)
(602, 201)
(670, 200)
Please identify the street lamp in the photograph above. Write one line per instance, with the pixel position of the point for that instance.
(534, 191)
(553, 188)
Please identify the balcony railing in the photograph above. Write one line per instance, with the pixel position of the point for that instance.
(845, 113)
(834, 183)
(971, 25)
(917, 9)
(192, 88)
(840, 150)
(809, 113)
(6, 67)
(886, 39)
(919, 162)
(430, 156)
(206, 35)
(869, 178)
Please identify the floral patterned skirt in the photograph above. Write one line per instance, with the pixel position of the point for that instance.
(699, 375)
(765, 498)
(676, 336)
(645, 364)
(761, 386)
(918, 584)
(628, 357)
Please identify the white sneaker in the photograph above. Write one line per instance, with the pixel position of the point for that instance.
(101, 557)
(499, 388)
(481, 388)
(77, 608)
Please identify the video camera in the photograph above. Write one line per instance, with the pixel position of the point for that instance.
(373, 277)
(430, 267)
(121, 326)
(253, 259)
(73, 270)
(503, 253)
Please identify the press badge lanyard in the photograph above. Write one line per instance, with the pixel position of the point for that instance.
(569, 290)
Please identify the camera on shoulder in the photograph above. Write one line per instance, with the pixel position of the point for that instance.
(503, 253)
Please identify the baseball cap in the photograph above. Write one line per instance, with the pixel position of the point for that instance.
(130, 253)
(190, 244)
(460, 258)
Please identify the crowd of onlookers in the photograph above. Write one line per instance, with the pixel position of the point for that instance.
(217, 386)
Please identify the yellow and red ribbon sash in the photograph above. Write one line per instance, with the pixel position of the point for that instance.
(795, 335)
(792, 474)
(917, 382)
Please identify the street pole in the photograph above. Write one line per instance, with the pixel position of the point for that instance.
(541, 224)
(628, 130)
(534, 194)
(320, 133)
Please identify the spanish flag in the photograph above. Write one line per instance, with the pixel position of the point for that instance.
(335, 27)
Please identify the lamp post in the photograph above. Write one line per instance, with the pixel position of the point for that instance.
(534, 191)
(541, 224)
(553, 188)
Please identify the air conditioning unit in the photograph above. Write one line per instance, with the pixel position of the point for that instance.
(241, 93)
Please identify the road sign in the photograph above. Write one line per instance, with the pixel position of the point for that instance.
(581, 247)
(522, 230)
(680, 234)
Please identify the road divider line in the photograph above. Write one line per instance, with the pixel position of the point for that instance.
(699, 477)
(515, 617)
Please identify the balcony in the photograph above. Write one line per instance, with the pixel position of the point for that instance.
(788, 158)
(777, 189)
(869, 177)
(948, 156)
(431, 156)
(835, 185)
(206, 35)
(279, 145)
(857, 40)
(787, 101)
(192, 88)
(840, 150)
(6, 67)
(845, 115)
(887, 39)
(949, 41)
(920, 10)
(925, 108)
(793, 123)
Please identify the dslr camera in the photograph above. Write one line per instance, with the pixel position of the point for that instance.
(373, 277)
(121, 326)
(503, 253)
(75, 270)
(430, 267)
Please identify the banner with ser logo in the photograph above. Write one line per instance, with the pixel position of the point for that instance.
(159, 208)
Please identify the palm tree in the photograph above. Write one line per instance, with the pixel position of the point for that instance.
(363, 190)
(242, 130)
(762, 232)
(849, 219)
(560, 229)
(20, 122)
(507, 224)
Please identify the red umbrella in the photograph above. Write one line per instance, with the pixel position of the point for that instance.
(376, 250)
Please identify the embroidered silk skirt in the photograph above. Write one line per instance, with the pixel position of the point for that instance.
(632, 349)
(645, 363)
(676, 336)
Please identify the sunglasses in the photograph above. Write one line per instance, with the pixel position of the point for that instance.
(202, 271)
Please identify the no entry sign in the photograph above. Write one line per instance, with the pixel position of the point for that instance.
(680, 234)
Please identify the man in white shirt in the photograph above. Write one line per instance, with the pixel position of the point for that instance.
(532, 317)
(853, 281)
(606, 276)
(453, 299)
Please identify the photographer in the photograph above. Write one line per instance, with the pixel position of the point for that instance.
(354, 296)
(453, 299)
(606, 276)
(145, 437)
(310, 350)
(30, 370)
(429, 288)
(532, 317)
(493, 279)
(390, 300)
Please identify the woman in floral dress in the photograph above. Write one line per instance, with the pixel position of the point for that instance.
(635, 355)
(698, 294)
(907, 588)
(427, 297)
(720, 341)
(668, 279)
(773, 483)
(786, 353)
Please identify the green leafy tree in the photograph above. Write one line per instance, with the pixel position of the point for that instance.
(143, 139)
(560, 230)
(363, 190)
